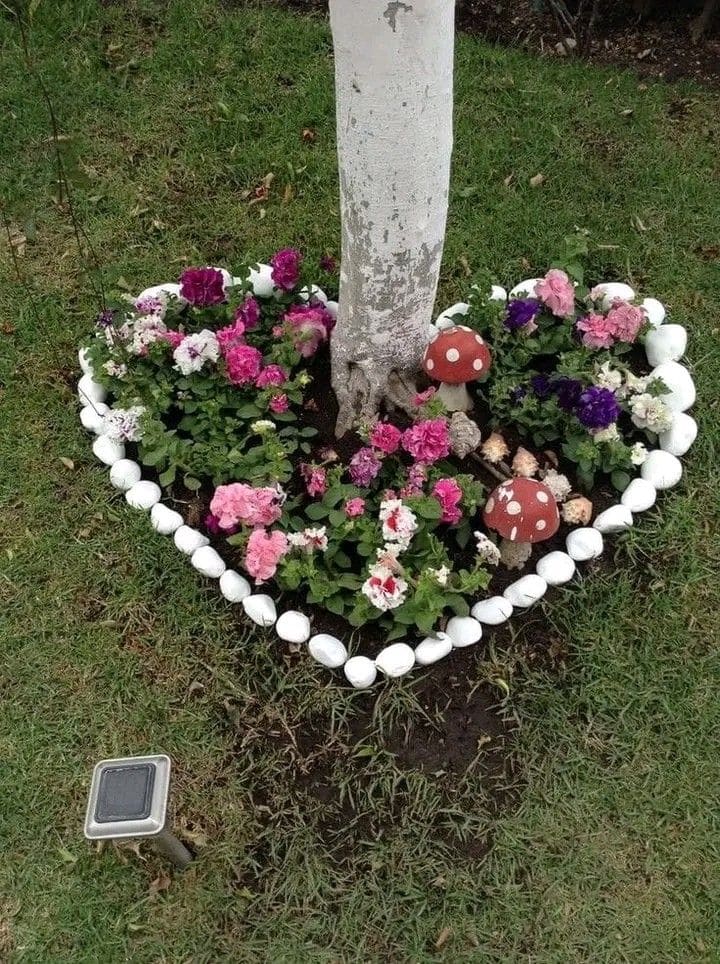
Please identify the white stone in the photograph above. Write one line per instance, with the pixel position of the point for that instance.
(208, 562)
(680, 436)
(84, 362)
(463, 630)
(618, 518)
(526, 590)
(612, 290)
(332, 308)
(662, 469)
(328, 650)
(261, 281)
(170, 289)
(107, 450)
(433, 648)
(679, 380)
(188, 539)
(655, 311)
(639, 496)
(233, 586)
(143, 495)
(360, 671)
(667, 343)
(395, 660)
(93, 417)
(293, 627)
(90, 392)
(445, 319)
(124, 474)
(260, 608)
(498, 293)
(556, 568)
(305, 294)
(525, 289)
(492, 611)
(584, 543)
(165, 520)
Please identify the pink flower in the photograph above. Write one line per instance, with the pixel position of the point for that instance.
(354, 507)
(598, 331)
(286, 268)
(384, 589)
(427, 441)
(556, 291)
(315, 479)
(240, 503)
(263, 553)
(279, 404)
(626, 319)
(449, 495)
(385, 437)
(422, 397)
(212, 524)
(247, 314)
(309, 326)
(416, 478)
(364, 466)
(272, 375)
(173, 338)
(243, 364)
(229, 337)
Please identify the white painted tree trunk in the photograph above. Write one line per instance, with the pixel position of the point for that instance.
(394, 89)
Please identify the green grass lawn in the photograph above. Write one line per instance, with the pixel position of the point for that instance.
(315, 841)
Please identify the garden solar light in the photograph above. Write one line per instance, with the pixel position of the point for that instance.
(128, 800)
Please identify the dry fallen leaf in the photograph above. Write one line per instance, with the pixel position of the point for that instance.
(161, 883)
(68, 463)
(536, 180)
(309, 135)
(443, 937)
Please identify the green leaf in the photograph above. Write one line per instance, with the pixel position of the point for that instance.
(168, 476)
(316, 511)
(620, 480)
(191, 483)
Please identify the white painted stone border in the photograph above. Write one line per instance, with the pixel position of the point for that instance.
(662, 470)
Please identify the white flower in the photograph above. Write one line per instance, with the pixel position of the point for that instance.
(309, 539)
(154, 305)
(651, 413)
(440, 575)
(123, 424)
(262, 426)
(194, 350)
(558, 484)
(634, 383)
(115, 369)
(486, 549)
(638, 453)
(145, 331)
(608, 377)
(399, 523)
(609, 434)
(384, 588)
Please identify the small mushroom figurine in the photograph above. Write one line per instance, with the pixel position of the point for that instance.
(522, 511)
(454, 357)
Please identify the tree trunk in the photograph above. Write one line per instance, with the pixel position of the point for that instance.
(394, 87)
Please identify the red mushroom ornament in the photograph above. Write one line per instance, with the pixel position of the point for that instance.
(522, 511)
(454, 357)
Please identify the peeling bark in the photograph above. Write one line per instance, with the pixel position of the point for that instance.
(394, 77)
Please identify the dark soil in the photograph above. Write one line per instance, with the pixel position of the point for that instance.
(657, 45)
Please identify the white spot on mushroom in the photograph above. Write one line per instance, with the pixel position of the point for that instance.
(478, 364)
(513, 533)
(541, 497)
(513, 508)
(452, 354)
(429, 364)
(479, 340)
(464, 328)
(540, 525)
(490, 505)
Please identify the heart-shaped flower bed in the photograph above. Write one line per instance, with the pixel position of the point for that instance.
(412, 535)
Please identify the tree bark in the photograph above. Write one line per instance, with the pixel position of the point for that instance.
(394, 88)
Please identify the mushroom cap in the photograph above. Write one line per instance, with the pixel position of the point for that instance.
(457, 355)
(522, 510)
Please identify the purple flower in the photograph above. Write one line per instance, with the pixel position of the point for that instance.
(328, 263)
(212, 524)
(106, 318)
(286, 268)
(568, 391)
(597, 407)
(541, 386)
(247, 314)
(364, 466)
(520, 312)
(518, 394)
(202, 287)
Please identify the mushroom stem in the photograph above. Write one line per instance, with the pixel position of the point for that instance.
(514, 555)
(455, 398)
(496, 473)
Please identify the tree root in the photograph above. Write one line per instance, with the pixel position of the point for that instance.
(365, 389)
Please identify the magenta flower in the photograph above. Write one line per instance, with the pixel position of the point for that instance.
(427, 441)
(286, 268)
(273, 375)
(263, 553)
(555, 290)
(202, 287)
(243, 364)
(173, 338)
(279, 404)
(422, 397)
(364, 466)
(212, 525)
(247, 314)
(385, 437)
(328, 263)
(230, 336)
(598, 331)
(354, 507)
(309, 326)
(449, 495)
